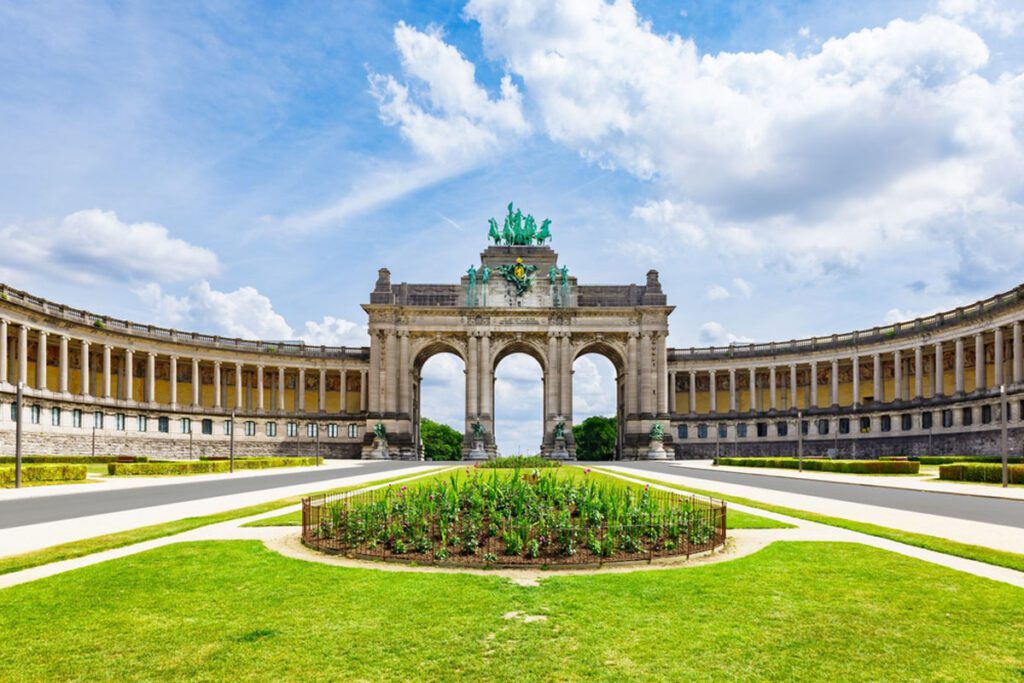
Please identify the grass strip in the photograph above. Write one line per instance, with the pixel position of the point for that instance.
(96, 544)
(999, 558)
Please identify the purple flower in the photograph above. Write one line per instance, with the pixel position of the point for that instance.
(404, 487)
(586, 471)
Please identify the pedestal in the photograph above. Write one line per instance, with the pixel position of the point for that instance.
(477, 452)
(559, 452)
(657, 451)
(379, 452)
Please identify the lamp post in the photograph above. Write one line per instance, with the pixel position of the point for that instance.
(94, 441)
(190, 441)
(17, 439)
(232, 442)
(718, 435)
(800, 440)
(1002, 436)
(317, 444)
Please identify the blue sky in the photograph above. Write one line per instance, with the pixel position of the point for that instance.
(791, 168)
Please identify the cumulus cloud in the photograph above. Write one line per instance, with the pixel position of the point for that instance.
(986, 13)
(714, 334)
(94, 245)
(717, 293)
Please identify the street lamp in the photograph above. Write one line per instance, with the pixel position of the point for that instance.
(1002, 436)
(17, 438)
(800, 440)
(232, 434)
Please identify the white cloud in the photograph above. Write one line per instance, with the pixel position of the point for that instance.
(94, 245)
(717, 293)
(742, 287)
(714, 334)
(333, 331)
(593, 388)
(987, 13)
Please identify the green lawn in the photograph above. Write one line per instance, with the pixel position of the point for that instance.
(734, 518)
(233, 610)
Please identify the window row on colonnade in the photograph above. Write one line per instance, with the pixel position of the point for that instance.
(973, 364)
(61, 366)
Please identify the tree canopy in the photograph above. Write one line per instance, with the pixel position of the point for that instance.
(595, 438)
(440, 442)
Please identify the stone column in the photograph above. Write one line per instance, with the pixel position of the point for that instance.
(938, 379)
(173, 379)
(321, 387)
(644, 367)
(472, 380)
(364, 390)
(835, 382)
(63, 381)
(856, 380)
(814, 384)
(197, 383)
(3, 350)
(404, 379)
(300, 388)
(732, 390)
(239, 398)
(41, 361)
(672, 392)
(979, 362)
(876, 378)
(661, 368)
(86, 391)
(793, 403)
(566, 391)
(632, 370)
(373, 374)
(23, 354)
(918, 372)
(753, 389)
(280, 389)
(1018, 354)
(772, 394)
(713, 391)
(129, 375)
(693, 391)
(998, 353)
(486, 370)
(391, 373)
(107, 370)
(897, 371)
(216, 384)
(150, 377)
(959, 376)
(260, 402)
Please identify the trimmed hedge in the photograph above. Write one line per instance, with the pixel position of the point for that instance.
(519, 461)
(849, 466)
(984, 472)
(70, 459)
(950, 459)
(204, 466)
(30, 473)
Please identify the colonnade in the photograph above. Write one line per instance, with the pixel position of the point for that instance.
(256, 386)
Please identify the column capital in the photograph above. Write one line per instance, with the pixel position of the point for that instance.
(259, 366)
(172, 357)
(238, 365)
(108, 347)
(85, 342)
(151, 354)
(216, 363)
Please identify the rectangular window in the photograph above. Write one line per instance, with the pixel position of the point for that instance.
(311, 429)
(332, 431)
(14, 412)
(865, 425)
(702, 431)
(844, 425)
(228, 427)
(805, 427)
(186, 425)
(741, 430)
(782, 428)
(353, 431)
(271, 429)
(250, 428)
(762, 429)
(823, 426)
(683, 431)
(723, 431)
(34, 413)
(143, 423)
(886, 423)
(97, 419)
(947, 418)
(76, 418)
(968, 416)
(119, 422)
(163, 425)
(906, 422)
(986, 414)
(207, 426)
(291, 429)
(926, 420)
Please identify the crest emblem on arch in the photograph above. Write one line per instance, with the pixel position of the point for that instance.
(519, 275)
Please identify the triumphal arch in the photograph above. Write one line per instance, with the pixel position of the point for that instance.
(520, 298)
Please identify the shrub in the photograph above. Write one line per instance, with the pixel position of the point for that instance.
(31, 473)
(595, 438)
(70, 459)
(949, 459)
(440, 442)
(519, 462)
(204, 466)
(818, 465)
(983, 472)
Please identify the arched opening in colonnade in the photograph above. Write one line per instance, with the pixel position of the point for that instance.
(598, 390)
(519, 406)
(439, 393)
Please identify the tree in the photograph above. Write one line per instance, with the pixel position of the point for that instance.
(440, 442)
(595, 438)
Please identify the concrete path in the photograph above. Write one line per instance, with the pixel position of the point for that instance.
(936, 514)
(743, 542)
(46, 521)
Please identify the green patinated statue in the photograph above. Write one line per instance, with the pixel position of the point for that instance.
(552, 274)
(485, 275)
(545, 231)
(560, 430)
(657, 432)
(565, 275)
(478, 431)
(519, 230)
(493, 232)
(472, 275)
(380, 432)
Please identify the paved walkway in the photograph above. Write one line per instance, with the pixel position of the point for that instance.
(44, 521)
(950, 516)
(743, 541)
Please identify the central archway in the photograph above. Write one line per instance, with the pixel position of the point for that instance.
(518, 399)
(438, 390)
(599, 388)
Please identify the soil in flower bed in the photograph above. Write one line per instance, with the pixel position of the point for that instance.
(514, 519)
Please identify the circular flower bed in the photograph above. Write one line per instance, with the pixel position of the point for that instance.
(503, 519)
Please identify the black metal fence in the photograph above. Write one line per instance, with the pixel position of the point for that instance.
(359, 526)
